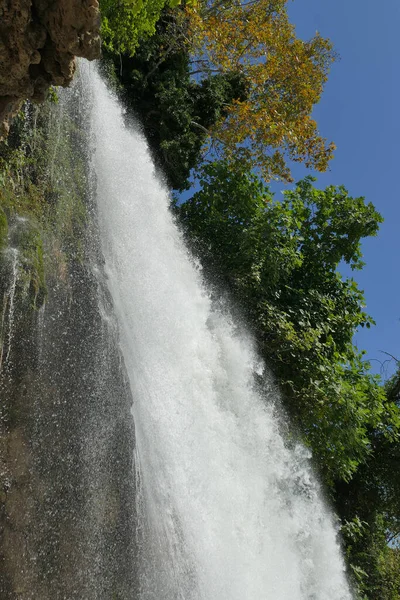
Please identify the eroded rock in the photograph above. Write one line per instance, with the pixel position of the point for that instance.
(39, 40)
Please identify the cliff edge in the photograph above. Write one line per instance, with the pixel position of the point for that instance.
(39, 40)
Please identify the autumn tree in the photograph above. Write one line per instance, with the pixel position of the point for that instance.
(285, 78)
(251, 42)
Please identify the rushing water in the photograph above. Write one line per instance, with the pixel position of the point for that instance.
(226, 510)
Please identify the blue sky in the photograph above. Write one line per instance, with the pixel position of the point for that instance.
(359, 111)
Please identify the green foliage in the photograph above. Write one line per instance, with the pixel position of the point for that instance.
(374, 564)
(52, 95)
(42, 196)
(126, 22)
(175, 111)
(18, 199)
(373, 495)
(279, 260)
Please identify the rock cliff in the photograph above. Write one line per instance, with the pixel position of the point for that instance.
(67, 483)
(39, 40)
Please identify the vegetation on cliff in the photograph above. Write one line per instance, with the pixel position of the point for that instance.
(3, 229)
(45, 215)
(59, 485)
(42, 220)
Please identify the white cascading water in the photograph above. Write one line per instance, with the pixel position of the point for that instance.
(226, 511)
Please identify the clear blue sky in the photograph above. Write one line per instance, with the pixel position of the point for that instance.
(359, 111)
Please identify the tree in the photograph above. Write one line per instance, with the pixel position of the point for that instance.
(281, 77)
(126, 22)
(372, 500)
(175, 111)
(285, 78)
(279, 260)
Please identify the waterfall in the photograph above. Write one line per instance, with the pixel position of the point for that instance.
(227, 509)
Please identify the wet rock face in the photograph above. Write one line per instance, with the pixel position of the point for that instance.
(67, 488)
(39, 40)
(68, 525)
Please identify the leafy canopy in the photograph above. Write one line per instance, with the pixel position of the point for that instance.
(285, 78)
(279, 261)
(126, 22)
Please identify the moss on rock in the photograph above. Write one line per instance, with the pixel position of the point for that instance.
(32, 262)
(3, 229)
